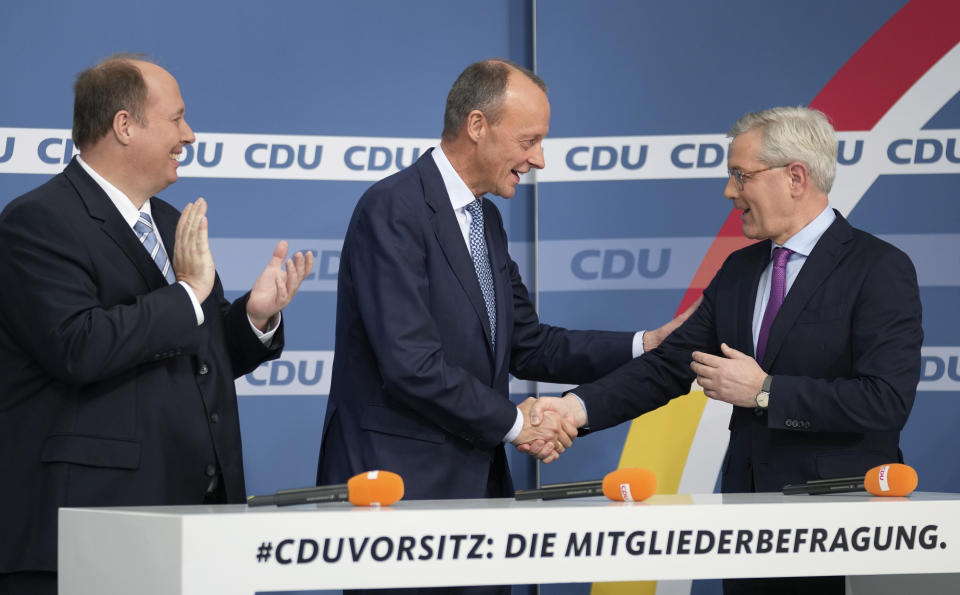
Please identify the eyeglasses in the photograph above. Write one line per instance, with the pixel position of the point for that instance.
(742, 176)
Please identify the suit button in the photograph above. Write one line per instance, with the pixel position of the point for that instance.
(214, 417)
(203, 369)
(211, 470)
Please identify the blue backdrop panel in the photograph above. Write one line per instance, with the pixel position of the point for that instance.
(372, 70)
(625, 74)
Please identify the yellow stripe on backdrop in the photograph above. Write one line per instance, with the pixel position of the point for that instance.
(659, 441)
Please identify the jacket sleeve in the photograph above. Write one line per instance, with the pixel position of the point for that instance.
(555, 354)
(386, 258)
(52, 307)
(653, 379)
(875, 392)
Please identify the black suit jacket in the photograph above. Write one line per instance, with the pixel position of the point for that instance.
(844, 352)
(417, 387)
(110, 394)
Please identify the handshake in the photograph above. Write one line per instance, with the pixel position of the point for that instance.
(550, 423)
(549, 426)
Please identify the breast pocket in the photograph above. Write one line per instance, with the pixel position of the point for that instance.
(388, 421)
(821, 339)
(820, 315)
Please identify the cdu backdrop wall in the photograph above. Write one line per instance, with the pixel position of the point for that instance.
(299, 106)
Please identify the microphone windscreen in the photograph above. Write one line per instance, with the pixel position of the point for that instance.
(375, 488)
(631, 484)
(895, 479)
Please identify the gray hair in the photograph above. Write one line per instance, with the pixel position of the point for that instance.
(481, 86)
(794, 134)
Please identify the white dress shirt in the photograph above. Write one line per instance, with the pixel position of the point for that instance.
(802, 244)
(461, 196)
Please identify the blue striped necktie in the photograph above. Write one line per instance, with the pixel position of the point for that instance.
(481, 264)
(148, 237)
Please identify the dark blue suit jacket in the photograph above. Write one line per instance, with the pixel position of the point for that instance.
(844, 352)
(110, 394)
(417, 388)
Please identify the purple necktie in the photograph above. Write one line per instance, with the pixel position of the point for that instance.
(778, 290)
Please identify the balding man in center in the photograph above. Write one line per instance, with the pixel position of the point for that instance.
(432, 315)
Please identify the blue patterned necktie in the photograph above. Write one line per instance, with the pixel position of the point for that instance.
(481, 264)
(148, 237)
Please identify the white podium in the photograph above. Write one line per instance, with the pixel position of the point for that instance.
(195, 550)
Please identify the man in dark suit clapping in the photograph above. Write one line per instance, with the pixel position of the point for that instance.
(118, 351)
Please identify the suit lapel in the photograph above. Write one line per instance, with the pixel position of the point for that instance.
(447, 231)
(747, 298)
(503, 293)
(823, 259)
(100, 207)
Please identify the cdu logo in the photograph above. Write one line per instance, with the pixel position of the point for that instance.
(604, 157)
(939, 369)
(283, 156)
(7, 144)
(380, 158)
(922, 151)
(295, 373)
(53, 151)
(619, 263)
(206, 155)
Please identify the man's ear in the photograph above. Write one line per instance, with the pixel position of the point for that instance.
(476, 124)
(799, 177)
(123, 127)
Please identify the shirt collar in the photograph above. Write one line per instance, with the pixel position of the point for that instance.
(457, 190)
(804, 240)
(120, 200)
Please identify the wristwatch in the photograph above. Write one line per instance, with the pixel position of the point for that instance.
(763, 397)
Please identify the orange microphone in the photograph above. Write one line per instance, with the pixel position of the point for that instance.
(375, 488)
(631, 484)
(371, 488)
(624, 485)
(894, 479)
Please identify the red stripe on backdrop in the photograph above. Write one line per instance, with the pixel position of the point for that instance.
(891, 62)
(859, 94)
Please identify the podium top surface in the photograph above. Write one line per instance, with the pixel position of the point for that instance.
(498, 504)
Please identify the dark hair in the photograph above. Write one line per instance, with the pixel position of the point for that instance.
(481, 86)
(101, 91)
